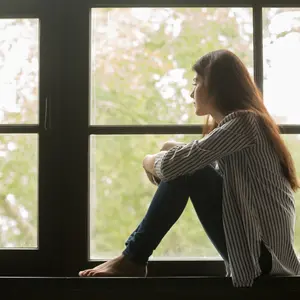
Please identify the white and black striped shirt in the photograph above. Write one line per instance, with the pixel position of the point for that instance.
(258, 202)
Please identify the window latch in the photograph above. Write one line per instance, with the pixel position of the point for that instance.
(47, 117)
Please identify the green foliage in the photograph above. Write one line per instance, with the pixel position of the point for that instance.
(19, 153)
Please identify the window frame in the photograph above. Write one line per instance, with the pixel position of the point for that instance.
(43, 259)
(63, 178)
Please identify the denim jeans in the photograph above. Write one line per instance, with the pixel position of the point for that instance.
(204, 188)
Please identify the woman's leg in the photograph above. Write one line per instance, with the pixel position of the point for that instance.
(205, 190)
(166, 207)
(204, 187)
(210, 213)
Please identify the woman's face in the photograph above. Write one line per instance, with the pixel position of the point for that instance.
(200, 96)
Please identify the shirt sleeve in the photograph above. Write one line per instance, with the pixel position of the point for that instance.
(231, 137)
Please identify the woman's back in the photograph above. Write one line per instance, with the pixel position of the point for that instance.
(258, 203)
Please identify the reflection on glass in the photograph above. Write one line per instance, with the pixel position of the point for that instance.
(19, 71)
(141, 59)
(18, 190)
(282, 63)
(120, 193)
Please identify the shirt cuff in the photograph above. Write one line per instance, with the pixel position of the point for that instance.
(157, 164)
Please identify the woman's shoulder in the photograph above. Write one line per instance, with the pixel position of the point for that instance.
(240, 119)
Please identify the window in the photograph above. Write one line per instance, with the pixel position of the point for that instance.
(141, 74)
(27, 227)
(281, 40)
(141, 58)
(86, 91)
(19, 75)
(281, 63)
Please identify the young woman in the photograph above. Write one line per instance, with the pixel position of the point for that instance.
(240, 178)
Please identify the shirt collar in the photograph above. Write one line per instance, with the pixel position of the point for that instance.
(232, 115)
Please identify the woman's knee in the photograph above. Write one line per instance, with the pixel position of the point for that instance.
(205, 176)
(206, 191)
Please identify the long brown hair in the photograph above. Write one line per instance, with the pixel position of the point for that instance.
(229, 83)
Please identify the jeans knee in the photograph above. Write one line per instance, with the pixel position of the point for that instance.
(205, 175)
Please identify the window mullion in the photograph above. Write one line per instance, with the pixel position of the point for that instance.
(258, 45)
(74, 31)
(50, 198)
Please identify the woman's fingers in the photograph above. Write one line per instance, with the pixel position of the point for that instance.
(150, 177)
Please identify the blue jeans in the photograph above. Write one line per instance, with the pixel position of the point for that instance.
(204, 188)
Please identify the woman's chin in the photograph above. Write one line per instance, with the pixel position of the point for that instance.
(200, 113)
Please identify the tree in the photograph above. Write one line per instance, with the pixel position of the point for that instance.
(18, 153)
(140, 75)
(143, 76)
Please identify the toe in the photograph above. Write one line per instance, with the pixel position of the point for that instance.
(101, 274)
(89, 272)
(93, 274)
(84, 273)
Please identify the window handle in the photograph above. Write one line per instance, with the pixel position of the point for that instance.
(47, 117)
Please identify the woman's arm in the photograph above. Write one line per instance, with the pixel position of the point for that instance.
(148, 162)
(233, 136)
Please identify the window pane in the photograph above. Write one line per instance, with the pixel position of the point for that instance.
(120, 193)
(282, 63)
(293, 143)
(141, 59)
(19, 71)
(18, 190)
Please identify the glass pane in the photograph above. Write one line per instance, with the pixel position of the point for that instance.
(120, 193)
(293, 143)
(282, 63)
(141, 59)
(18, 190)
(120, 188)
(19, 71)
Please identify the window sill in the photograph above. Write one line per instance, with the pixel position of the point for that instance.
(147, 288)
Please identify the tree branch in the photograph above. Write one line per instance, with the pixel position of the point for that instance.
(26, 228)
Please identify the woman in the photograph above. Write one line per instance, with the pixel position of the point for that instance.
(240, 178)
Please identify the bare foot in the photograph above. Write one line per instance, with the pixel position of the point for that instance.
(117, 267)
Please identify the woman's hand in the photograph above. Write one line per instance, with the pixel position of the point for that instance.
(153, 179)
(149, 160)
(148, 163)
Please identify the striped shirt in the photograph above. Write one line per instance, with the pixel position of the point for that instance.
(258, 202)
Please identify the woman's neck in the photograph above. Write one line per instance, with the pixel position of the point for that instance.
(218, 117)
